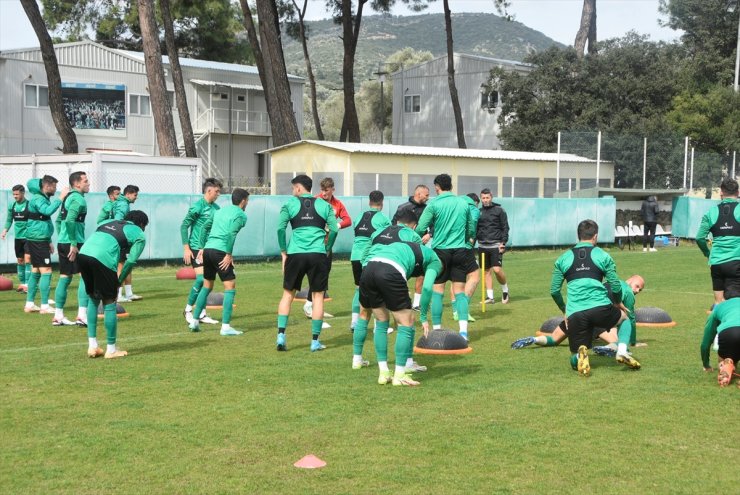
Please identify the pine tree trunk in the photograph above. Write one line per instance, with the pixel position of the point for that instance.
(180, 98)
(592, 32)
(350, 33)
(161, 111)
(451, 79)
(587, 29)
(53, 78)
(309, 69)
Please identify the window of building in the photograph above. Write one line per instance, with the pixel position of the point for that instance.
(139, 105)
(591, 183)
(283, 185)
(489, 100)
(565, 186)
(240, 98)
(412, 103)
(520, 187)
(36, 96)
(475, 184)
(171, 98)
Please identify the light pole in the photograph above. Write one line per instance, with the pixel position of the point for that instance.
(737, 55)
(381, 77)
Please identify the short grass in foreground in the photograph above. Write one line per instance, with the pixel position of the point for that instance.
(199, 413)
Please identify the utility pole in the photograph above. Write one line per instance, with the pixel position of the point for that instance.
(381, 77)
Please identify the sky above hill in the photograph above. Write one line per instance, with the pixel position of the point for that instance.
(558, 19)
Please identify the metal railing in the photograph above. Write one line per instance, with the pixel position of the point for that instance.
(242, 121)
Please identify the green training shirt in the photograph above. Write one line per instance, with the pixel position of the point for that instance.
(452, 221)
(106, 212)
(724, 248)
(191, 228)
(20, 225)
(307, 239)
(40, 229)
(222, 228)
(584, 293)
(724, 315)
(362, 242)
(121, 207)
(71, 231)
(105, 248)
(406, 234)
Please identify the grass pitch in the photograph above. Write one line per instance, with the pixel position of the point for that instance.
(199, 413)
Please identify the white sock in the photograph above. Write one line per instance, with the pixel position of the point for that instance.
(58, 314)
(92, 343)
(45, 306)
(29, 304)
(540, 340)
(356, 359)
(409, 362)
(437, 327)
(463, 326)
(120, 289)
(82, 312)
(203, 314)
(489, 293)
(225, 326)
(355, 317)
(621, 348)
(383, 365)
(129, 291)
(188, 308)
(504, 287)
(400, 370)
(110, 348)
(417, 299)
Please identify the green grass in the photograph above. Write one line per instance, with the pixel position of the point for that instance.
(199, 413)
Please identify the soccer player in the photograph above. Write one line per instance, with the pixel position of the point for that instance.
(121, 207)
(384, 288)
(416, 205)
(71, 229)
(39, 230)
(191, 231)
(370, 221)
(106, 212)
(305, 255)
(492, 236)
(724, 323)
(98, 262)
(473, 202)
(723, 222)
(584, 268)
(216, 257)
(344, 221)
(454, 227)
(18, 213)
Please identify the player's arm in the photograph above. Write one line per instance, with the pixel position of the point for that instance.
(48, 209)
(283, 220)
(190, 217)
(70, 222)
(137, 247)
(504, 226)
(425, 220)
(343, 215)
(702, 233)
(9, 219)
(204, 233)
(556, 284)
(710, 331)
(237, 224)
(433, 269)
(331, 222)
(610, 273)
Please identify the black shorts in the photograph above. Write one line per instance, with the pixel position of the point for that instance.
(211, 259)
(726, 276)
(456, 264)
(100, 281)
(357, 271)
(493, 257)
(20, 248)
(313, 265)
(67, 267)
(382, 285)
(581, 324)
(195, 263)
(729, 344)
(40, 253)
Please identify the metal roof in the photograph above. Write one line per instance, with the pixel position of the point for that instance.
(394, 149)
(201, 82)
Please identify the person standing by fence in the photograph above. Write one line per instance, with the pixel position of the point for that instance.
(650, 211)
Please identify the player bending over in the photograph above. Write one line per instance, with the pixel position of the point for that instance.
(723, 322)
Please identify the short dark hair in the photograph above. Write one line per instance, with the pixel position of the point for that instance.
(474, 197)
(421, 186)
(19, 188)
(76, 177)
(444, 181)
(130, 189)
(138, 218)
(112, 189)
(211, 182)
(485, 191)
(587, 229)
(48, 179)
(376, 197)
(729, 186)
(303, 180)
(238, 195)
(406, 216)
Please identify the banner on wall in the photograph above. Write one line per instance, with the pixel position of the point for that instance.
(95, 109)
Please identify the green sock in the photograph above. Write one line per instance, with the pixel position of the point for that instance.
(33, 284)
(356, 302)
(60, 295)
(29, 270)
(382, 326)
(550, 341)
(404, 344)
(45, 287)
(111, 322)
(633, 335)
(229, 296)
(574, 361)
(437, 298)
(380, 339)
(92, 317)
(195, 289)
(463, 306)
(624, 332)
(453, 303)
(316, 327)
(21, 270)
(282, 321)
(201, 302)
(358, 337)
(82, 297)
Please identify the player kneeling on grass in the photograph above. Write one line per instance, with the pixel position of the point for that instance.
(220, 232)
(98, 260)
(723, 322)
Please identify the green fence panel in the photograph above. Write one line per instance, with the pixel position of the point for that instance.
(687, 214)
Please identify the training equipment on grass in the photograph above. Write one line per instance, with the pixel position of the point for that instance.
(302, 294)
(120, 311)
(6, 283)
(216, 301)
(653, 317)
(549, 326)
(309, 462)
(185, 273)
(442, 342)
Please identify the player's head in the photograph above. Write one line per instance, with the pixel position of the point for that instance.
(19, 192)
(138, 218)
(376, 199)
(728, 188)
(49, 185)
(131, 192)
(636, 283)
(113, 192)
(421, 194)
(327, 188)
(588, 230)
(240, 197)
(407, 218)
(79, 181)
(443, 182)
(302, 184)
(486, 197)
(211, 189)
(475, 198)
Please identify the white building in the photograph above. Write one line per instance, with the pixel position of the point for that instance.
(422, 108)
(107, 99)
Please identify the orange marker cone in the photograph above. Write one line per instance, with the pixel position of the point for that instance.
(310, 462)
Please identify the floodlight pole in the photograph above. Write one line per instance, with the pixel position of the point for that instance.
(557, 168)
(644, 162)
(685, 160)
(598, 157)
(381, 77)
(737, 54)
(734, 158)
(691, 179)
